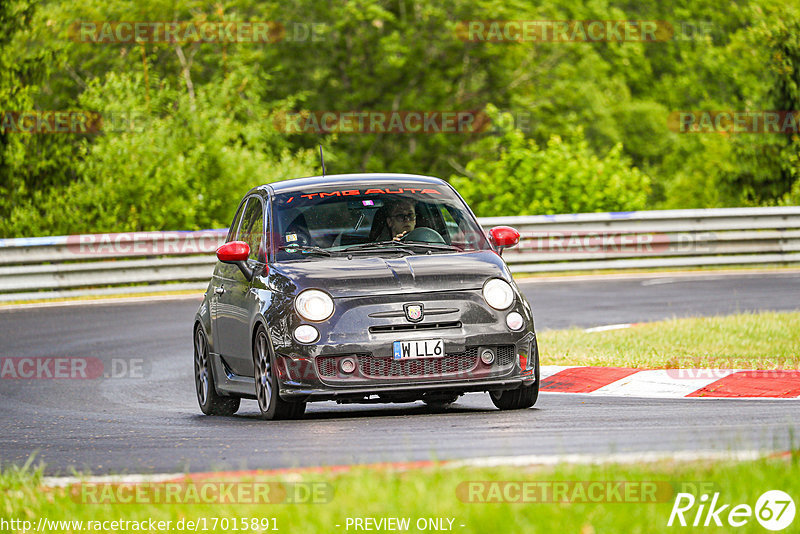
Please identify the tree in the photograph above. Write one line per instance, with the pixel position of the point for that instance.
(512, 175)
(27, 162)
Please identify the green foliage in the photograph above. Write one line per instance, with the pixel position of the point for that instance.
(204, 111)
(177, 162)
(782, 39)
(768, 167)
(512, 175)
(28, 163)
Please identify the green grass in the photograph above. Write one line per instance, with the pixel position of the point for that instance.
(769, 340)
(441, 492)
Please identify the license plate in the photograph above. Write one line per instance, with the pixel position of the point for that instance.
(423, 348)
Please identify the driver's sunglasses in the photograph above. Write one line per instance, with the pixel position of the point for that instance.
(410, 216)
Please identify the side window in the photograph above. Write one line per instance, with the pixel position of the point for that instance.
(456, 229)
(268, 238)
(436, 217)
(451, 226)
(252, 229)
(233, 231)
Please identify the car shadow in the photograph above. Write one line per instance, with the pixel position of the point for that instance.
(388, 410)
(343, 412)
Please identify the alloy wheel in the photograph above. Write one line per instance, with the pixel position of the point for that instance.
(263, 373)
(201, 366)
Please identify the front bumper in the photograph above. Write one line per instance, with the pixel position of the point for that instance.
(321, 377)
(363, 330)
(403, 392)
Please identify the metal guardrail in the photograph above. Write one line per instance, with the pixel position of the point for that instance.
(650, 239)
(46, 267)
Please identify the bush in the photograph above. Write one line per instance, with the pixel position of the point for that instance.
(184, 163)
(514, 176)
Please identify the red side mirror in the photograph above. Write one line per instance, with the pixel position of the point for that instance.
(233, 252)
(504, 237)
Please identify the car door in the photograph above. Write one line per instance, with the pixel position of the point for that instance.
(222, 280)
(235, 302)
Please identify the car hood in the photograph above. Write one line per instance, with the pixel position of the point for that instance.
(375, 275)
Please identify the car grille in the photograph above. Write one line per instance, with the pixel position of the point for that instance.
(505, 355)
(387, 367)
(326, 366)
(413, 326)
(453, 363)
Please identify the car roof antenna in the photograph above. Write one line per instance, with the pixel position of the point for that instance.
(322, 160)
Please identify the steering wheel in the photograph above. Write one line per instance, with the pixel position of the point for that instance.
(424, 235)
(301, 238)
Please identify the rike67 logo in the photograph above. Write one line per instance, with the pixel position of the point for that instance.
(774, 510)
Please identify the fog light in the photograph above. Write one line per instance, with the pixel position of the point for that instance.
(305, 333)
(347, 365)
(514, 321)
(487, 356)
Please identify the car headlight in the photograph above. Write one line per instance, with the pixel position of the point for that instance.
(314, 305)
(498, 294)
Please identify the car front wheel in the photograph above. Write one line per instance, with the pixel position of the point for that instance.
(438, 403)
(516, 399)
(210, 402)
(522, 397)
(269, 401)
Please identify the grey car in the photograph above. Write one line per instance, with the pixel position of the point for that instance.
(361, 288)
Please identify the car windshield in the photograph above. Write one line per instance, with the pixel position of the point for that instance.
(371, 219)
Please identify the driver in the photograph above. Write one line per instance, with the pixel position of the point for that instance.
(401, 217)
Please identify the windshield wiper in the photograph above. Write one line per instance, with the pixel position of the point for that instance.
(305, 249)
(380, 245)
(433, 246)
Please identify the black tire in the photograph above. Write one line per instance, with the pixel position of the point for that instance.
(522, 397)
(270, 403)
(211, 403)
(516, 399)
(440, 403)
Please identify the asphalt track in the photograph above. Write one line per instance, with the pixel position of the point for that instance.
(150, 422)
